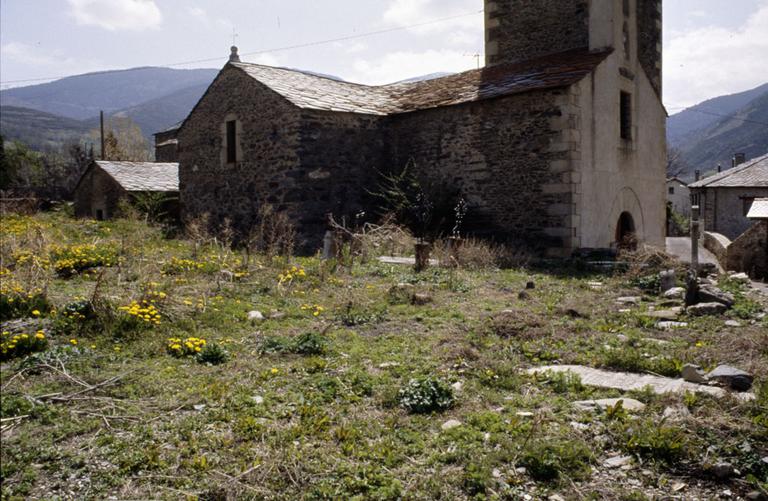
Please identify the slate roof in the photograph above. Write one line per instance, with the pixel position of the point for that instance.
(315, 92)
(143, 176)
(759, 209)
(751, 174)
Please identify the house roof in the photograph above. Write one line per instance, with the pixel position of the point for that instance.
(759, 209)
(143, 176)
(677, 180)
(311, 91)
(751, 174)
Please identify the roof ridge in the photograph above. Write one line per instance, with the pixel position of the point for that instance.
(703, 183)
(307, 73)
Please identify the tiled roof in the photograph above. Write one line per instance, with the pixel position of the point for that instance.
(143, 176)
(752, 174)
(759, 209)
(315, 92)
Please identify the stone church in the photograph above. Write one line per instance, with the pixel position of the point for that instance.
(559, 141)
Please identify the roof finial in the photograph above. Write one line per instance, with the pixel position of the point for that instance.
(233, 56)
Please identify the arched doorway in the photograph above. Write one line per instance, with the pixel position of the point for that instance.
(625, 232)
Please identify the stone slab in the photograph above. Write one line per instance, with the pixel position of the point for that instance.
(628, 381)
(409, 261)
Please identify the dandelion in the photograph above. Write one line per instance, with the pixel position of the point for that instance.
(36, 313)
(73, 341)
(274, 370)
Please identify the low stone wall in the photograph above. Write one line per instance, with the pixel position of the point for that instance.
(718, 245)
(749, 252)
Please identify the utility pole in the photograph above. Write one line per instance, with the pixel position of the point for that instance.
(101, 121)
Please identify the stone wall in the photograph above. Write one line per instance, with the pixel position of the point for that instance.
(97, 191)
(524, 29)
(649, 39)
(302, 162)
(749, 252)
(723, 209)
(498, 154)
(269, 141)
(166, 146)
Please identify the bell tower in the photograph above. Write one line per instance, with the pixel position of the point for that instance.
(516, 30)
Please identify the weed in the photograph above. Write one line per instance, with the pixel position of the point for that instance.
(654, 441)
(213, 354)
(548, 460)
(561, 382)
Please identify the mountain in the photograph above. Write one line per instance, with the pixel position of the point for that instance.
(691, 120)
(708, 134)
(41, 131)
(81, 97)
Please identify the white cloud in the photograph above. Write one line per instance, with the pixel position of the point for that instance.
(45, 63)
(397, 66)
(198, 13)
(116, 15)
(707, 62)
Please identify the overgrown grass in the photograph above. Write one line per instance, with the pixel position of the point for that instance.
(342, 390)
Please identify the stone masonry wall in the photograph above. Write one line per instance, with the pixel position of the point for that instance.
(269, 144)
(649, 30)
(499, 153)
(749, 252)
(524, 29)
(97, 191)
(723, 209)
(303, 162)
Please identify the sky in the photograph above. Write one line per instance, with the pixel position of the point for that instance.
(711, 47)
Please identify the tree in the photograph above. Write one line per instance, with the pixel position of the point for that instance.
(22, 166)
(7, 176)
(123, 140)
(676, 164)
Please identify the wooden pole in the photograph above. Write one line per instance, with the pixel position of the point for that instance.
(101, 121)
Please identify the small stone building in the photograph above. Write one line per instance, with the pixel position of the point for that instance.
(105, 183)
(559, 142)
(726, 198)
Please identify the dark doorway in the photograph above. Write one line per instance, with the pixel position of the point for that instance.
(99, 215)
(625, 232)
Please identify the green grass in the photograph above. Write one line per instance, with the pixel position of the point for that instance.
(309, 403)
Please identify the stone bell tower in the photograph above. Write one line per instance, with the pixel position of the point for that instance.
(516, 30)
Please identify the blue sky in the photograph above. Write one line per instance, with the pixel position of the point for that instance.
(712, 47)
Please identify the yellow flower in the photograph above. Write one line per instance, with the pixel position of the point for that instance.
(274, 370)
(40, 335)
(73, 341)
(36, 313)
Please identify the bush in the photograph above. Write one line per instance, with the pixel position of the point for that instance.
(425, 395)
(654, 441)
(212, 354)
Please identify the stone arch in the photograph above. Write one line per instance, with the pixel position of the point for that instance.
(626, 206)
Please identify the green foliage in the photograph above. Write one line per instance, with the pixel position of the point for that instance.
(69, 260)
(309, 343)
(15, 345)
(647, 283)
(213, 354)
(654, 441)
(548, 460)
(352, 315)
(425, 395)
(21, 304)
(560, 382)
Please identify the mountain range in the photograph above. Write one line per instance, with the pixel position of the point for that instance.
(49, 115)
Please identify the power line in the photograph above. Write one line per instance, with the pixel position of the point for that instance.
(733, 116)
(284, 48)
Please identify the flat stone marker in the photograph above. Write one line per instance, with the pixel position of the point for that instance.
(409, 261)
(627, 381)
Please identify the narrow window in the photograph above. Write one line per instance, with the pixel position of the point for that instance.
(626, 116)
(231, 142)
(671, 190)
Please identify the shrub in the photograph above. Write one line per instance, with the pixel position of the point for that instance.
(189, 347)
(425, 395)
(176, 266)
(212, 354)
(654, 441)
(21, 344)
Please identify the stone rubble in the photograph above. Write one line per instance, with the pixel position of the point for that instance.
(731, 377)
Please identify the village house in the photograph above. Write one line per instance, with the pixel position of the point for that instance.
(559, 142)
(104, 184)
(726, 198)
(679, 196)
(167, 145)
